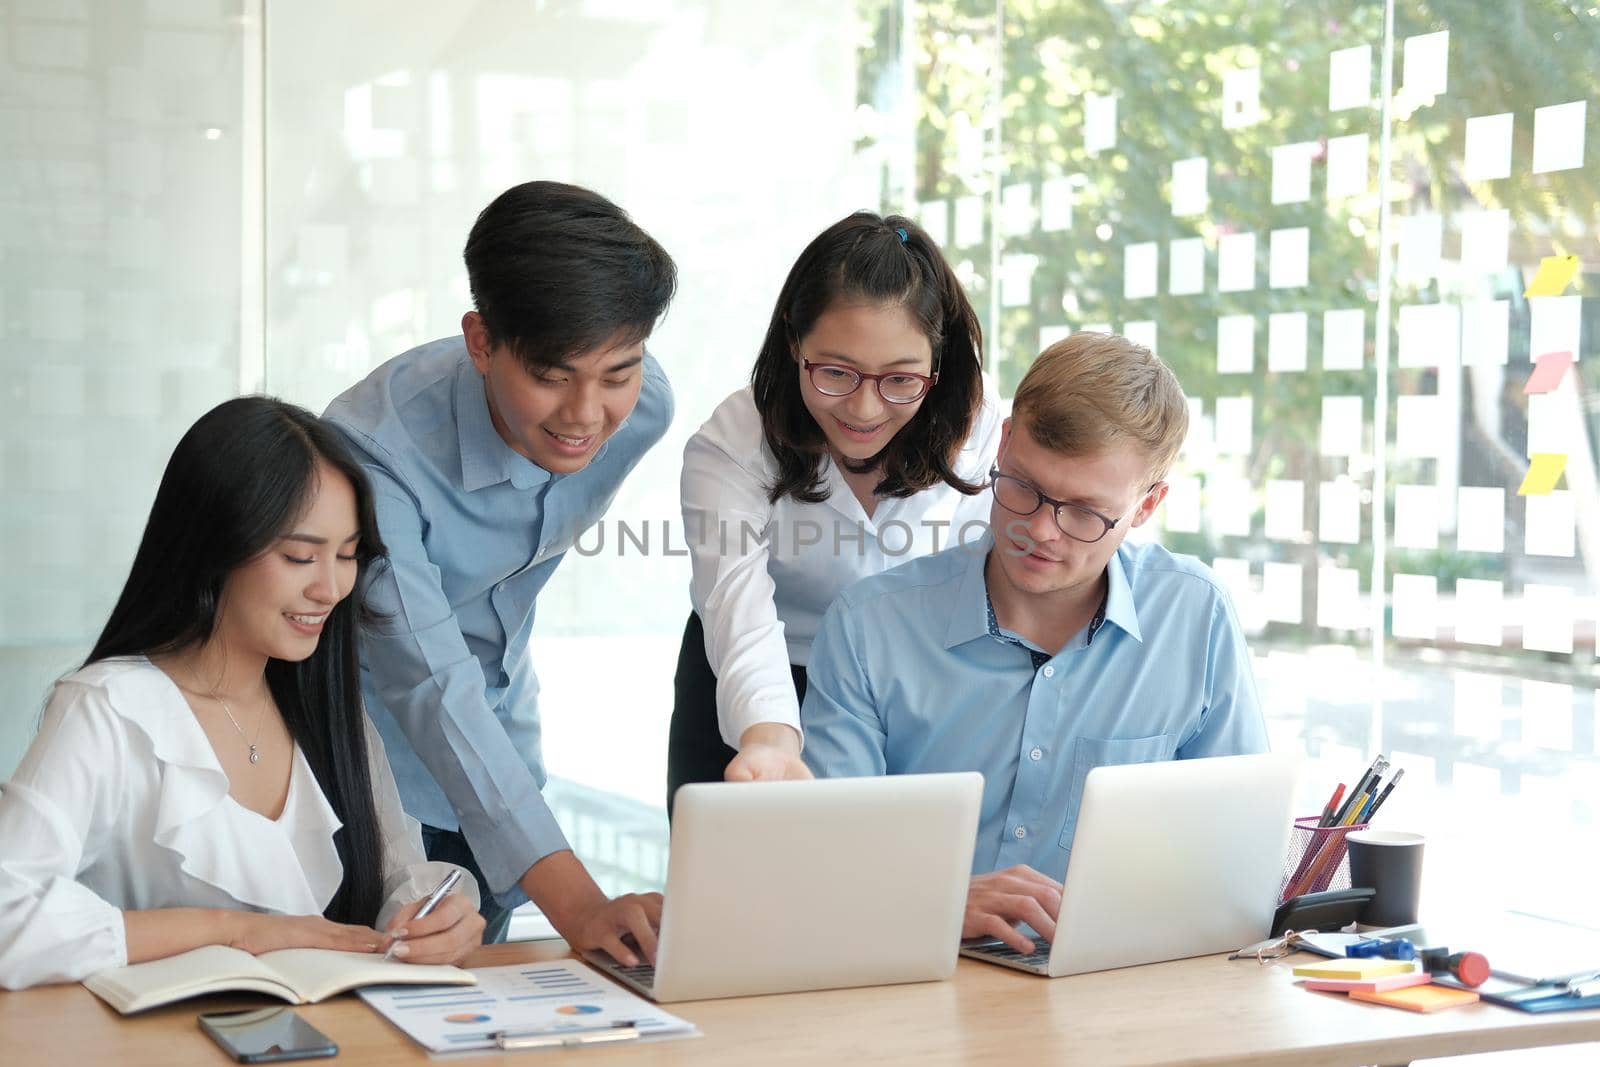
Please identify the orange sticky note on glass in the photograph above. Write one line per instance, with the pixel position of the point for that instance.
(1419, 998)
(1554, 275)
(1548, 372)
(1544, 471)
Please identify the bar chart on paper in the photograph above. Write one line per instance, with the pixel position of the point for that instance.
(554, 997)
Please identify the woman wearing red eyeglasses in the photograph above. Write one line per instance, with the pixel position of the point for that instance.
(861, 442)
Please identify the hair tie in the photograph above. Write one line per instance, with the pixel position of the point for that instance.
(900, 230)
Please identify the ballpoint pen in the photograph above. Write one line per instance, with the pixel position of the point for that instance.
(621, 1030)
(438, 894)
(1363, 784)
(1378, 802)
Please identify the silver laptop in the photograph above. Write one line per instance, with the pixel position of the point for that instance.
(1169, 860)
(777, 887)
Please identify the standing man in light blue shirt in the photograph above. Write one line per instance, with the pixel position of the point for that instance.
(489, 453)
(1049, 646)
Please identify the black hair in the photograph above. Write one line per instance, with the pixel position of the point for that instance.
(557, 270)
(237, 481)
(884, 261)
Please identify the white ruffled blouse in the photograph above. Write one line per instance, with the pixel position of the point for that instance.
(120, 804)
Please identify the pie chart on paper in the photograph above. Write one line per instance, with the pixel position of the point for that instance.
(578, 1009)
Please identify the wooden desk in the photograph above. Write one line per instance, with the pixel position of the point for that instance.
(1206, 1011)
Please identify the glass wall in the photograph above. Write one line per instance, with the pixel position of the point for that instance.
(1326, 217)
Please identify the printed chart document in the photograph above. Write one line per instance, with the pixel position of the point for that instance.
(298, 975)
(561, 995)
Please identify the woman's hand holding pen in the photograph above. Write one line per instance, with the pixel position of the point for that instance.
(447, 934)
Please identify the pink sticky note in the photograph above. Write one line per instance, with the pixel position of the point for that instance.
(1548, 372)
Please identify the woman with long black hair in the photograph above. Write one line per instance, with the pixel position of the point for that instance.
(208, 776)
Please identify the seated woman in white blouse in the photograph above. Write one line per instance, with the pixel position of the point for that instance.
(208, 776)
(861, 443)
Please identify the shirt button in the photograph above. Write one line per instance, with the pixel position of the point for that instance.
(1021, 832)
(1049, 672)
(1036, 755)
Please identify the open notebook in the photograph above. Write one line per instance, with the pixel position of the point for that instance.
(298, 975)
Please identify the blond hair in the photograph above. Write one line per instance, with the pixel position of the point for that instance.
(1093, 391)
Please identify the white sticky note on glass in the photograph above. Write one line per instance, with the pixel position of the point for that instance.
(1547, 614)
(1095, 327)
(1228, 505)
(1182, 505)
(1142, 332)
(1555, 325)
(1427, 65)
(1421, 240)
(1241, 98)
(1289, 259)
(1286, 510)
(1344, 339)
(1350, 78)
(1485, 333)
(1280, 591)
(1049, 335)
(1140, 266)
(1291, 172)
(1481, 519)
(1339, 598)
(1429, 335)
(1555, 424)
(1099, 123)
(1186, 266)
(1055, 205)
(1419, 427)
(1415, 606)
(1547, 715)
(1341, 425)
(1233, 428)
(1550, 524)
(1348, 167)
(1016, 279)
(1416, 516)
(1016, 210)
(1236, 344)
(1480, 612)
(1190, 195)
(1479, 706)
(1485, 239)
(1339, 512)
(934, 215)
(969, 221)
(1286, 341)
(1558, 136)
(1236, 262)
(1488, 147)
(1198, 439)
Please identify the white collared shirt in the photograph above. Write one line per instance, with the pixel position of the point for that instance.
(764, 573)
(119, 804)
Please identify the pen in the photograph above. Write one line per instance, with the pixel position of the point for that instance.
(621, 1030)
(1332, 806)
(1364, 785)
(1355, 809)
(438, 894)
(1376, 804)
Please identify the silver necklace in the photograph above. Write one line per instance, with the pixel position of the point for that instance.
(255, 756)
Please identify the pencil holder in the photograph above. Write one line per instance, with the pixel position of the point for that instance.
(1317, 859)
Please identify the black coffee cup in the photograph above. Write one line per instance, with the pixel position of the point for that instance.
(1391, 863)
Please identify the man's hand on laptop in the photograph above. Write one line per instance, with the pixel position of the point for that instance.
(768, 752)
(623, 927)
(997, 901)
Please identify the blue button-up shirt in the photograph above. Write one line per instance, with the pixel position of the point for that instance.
(906, 676)
(474, 531)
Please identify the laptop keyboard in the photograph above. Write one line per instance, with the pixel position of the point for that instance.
(1039, 957)
(644, 974)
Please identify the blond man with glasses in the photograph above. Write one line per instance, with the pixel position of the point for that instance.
(1052, 646)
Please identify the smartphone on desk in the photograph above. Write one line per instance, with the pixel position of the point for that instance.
(267, 1035)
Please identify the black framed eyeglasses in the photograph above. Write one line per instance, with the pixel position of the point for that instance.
(1074, 520)
(896, 387)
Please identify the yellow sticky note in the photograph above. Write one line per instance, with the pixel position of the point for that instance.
(1544, 471)
(1354, 968)
(1555, 274)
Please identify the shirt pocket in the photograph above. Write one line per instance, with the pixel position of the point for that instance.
(1091, 752)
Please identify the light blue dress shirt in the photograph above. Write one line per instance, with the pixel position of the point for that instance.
(474, 531)
(907, 676)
